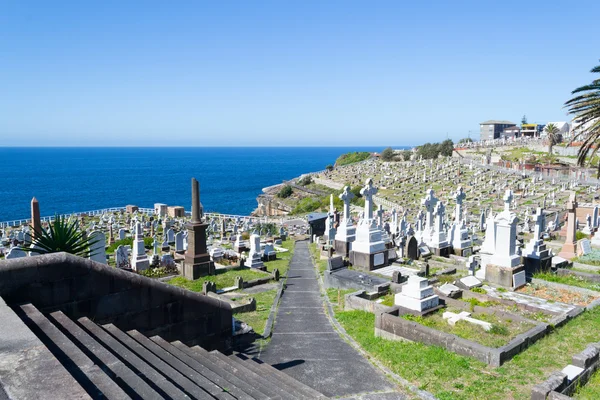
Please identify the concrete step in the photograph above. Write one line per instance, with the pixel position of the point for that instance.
(280, 383)
(89, 375)
(184, 383)
(259, 366)
(252, 390)
(150, 375)
(200, 380)
(217, 379)
(224, 364)
(276, 391)
(127, 379)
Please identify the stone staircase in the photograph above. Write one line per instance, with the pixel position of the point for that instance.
(109, 363)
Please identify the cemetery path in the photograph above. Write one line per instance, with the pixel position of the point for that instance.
(305, 345)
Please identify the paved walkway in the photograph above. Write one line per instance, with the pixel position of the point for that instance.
(305, 346)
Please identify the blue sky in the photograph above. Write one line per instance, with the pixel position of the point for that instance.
(278, 73)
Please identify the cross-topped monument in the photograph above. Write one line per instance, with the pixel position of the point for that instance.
(508, 197)
(429, 202)
(459, 196)
(368, 192)
(346, 196)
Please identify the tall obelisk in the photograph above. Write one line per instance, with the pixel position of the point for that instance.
(36, 224)
(197, 261)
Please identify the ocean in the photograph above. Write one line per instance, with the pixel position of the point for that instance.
(66, 180)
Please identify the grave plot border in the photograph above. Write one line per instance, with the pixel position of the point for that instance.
(390, 325)
(559, 386)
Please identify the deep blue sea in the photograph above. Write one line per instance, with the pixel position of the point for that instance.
(66, 180)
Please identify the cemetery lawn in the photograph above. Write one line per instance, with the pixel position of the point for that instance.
(450, 376)
(258, 318)
(283, 259)
(223, 279)
(337, 297)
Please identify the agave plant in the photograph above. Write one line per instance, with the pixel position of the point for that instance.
(61, 235)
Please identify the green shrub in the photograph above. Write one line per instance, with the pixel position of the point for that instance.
(305, 180)
(387, 154)
(285, 192)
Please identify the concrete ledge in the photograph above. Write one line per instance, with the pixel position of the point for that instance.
(83, 288)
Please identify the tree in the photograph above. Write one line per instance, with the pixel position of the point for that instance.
(446, 148)
(524, 120)
(465, 140)
(552, 132)
(387, 154)
(329, 167)
(285, 192)
(61, 235)
(585, 108)
(406, 155)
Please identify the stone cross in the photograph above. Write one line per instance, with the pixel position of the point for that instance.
(508, 197)
(367, 192)
(453, 318)
(459, 196)
(346, 196)
(429, 202)
(539, 223)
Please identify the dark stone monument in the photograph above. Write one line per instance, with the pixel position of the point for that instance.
(36, 223)
(412, 248)
(197, 261)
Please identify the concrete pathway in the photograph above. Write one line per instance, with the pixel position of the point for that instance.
(305, 346)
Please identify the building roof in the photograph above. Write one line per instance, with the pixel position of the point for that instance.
(559, 124)
(497, 122)
(312, 217)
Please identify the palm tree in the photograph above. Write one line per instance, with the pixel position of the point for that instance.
(552, 133)
(61, 235)
(585, 107)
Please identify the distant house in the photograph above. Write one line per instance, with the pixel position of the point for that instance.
(492, 129)
(511, 132)
(532, 130)
(577, 128)
(563, 128)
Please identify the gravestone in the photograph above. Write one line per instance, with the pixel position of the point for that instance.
(98, 247)
(139, 259)
(122, 257)
(585, 247)
(254, 257)
(368, 249)
(15, 252)
(179, 242)
(346, 232)
(417, 295)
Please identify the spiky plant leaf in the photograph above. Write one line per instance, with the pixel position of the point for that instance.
(61, 235)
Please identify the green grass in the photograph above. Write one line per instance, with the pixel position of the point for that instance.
(257, 319)
(321, 264)
(500, 334)
(568, 280)
(283, 259)
(222, 279)
(450, 376)
(338, 294)
(350, 158)
(591, 390)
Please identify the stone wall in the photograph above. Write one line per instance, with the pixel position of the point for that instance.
(81, 287)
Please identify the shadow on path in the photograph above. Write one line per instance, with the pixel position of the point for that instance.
(305, 345)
